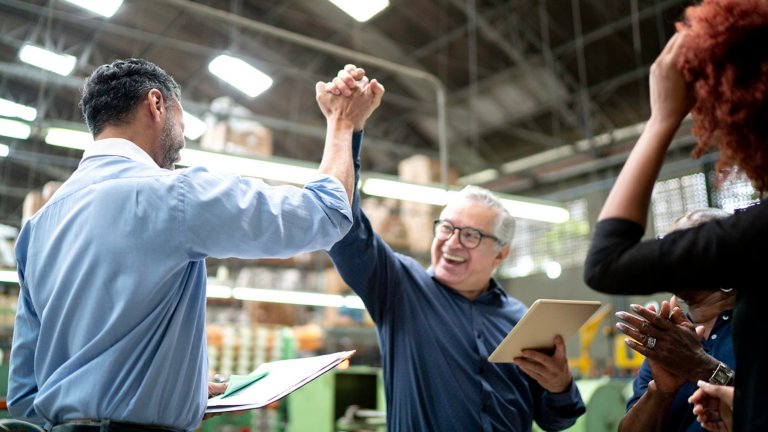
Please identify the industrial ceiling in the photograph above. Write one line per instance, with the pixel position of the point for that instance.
(539, 95)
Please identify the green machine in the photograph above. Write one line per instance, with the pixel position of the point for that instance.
(606, 404)
(340, 400)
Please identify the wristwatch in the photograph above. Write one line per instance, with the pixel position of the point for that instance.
(723, 375)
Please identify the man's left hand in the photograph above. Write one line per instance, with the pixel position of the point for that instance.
(550, 371)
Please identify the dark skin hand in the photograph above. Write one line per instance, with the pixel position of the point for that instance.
(677, 355)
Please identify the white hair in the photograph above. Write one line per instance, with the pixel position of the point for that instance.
(505, 223)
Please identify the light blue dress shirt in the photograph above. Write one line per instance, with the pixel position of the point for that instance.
(111, 316)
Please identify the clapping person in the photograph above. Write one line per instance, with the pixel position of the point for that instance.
(715, 66)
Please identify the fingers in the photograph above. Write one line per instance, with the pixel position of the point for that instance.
(665, 310)
(216, 388)
(376, 87)
(723, 393)
(652, 318)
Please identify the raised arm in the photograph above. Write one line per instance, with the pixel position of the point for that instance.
(345, 115)
(671, 101)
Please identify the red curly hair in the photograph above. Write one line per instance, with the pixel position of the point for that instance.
(725, 56)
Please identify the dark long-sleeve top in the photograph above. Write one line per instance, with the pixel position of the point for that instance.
(680, 417)
(435, 343)
(724, 253)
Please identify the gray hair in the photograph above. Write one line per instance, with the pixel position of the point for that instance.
(505, 223)
(698, 217)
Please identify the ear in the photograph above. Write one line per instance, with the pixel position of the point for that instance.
(156, 104)
(501, 255)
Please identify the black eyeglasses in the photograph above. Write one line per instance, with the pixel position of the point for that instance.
(469, 237)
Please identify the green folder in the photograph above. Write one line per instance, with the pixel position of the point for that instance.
(239, 382)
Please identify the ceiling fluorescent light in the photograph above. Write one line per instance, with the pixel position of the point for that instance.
(535, 211)
(4, 150)
(62, 64)
(283, 172)
(69, 138)
(105, 8)
(296, 297)
(240, 75)
(520, 208)
(361, 10)
(218, 291)
(194, 128)
(13, 109)
(14, 129)
(405, 191)
(9, 276)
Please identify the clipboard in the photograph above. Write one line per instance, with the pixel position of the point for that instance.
(537, 328)
(272, 381)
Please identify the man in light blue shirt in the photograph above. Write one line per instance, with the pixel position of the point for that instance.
(110, 328)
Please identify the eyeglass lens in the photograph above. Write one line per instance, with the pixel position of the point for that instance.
(468, 237)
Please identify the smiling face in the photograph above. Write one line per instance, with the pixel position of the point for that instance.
(468, 271)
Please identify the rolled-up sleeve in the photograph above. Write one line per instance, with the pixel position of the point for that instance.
(224, 216)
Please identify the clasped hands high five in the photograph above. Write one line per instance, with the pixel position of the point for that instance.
(349, 97)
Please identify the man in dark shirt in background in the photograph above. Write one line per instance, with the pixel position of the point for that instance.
(436, 327)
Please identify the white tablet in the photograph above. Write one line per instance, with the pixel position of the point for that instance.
(544, 320)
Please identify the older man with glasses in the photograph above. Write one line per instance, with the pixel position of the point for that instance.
(436, 327)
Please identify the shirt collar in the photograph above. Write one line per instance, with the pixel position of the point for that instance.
(118, 147)
(495, 291)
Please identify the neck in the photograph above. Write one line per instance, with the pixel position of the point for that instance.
(130, 134)
(705, 310)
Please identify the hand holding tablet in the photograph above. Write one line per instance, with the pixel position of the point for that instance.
(544, 320)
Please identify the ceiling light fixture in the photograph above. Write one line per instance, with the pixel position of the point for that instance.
(361, 10)
(194, 128)
(284, 172)
(297, 298)
(105, 8)
(68, 138)
(14, 129)
(517, 207)
(218, 291)
(9, 276)
(62, 64)
(240, 75)
(12, 109)
(4, 150)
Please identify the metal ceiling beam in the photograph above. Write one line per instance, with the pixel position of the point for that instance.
(305, 41)
(490, 33)
(615, 25)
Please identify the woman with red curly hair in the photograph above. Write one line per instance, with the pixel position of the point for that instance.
(715, 66)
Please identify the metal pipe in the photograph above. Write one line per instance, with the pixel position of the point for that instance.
(306, 41)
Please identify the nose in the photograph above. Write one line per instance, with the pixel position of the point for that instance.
(453, 240)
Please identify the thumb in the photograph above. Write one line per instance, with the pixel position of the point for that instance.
(559, 346)
(376, 87)
(700, 331)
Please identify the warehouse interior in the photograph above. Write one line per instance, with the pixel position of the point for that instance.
(539, 101)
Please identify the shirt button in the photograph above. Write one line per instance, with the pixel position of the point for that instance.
(479, 335)
(725, 317)
(714, 336)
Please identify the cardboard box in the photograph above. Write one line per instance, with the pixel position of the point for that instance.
(238, 138)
